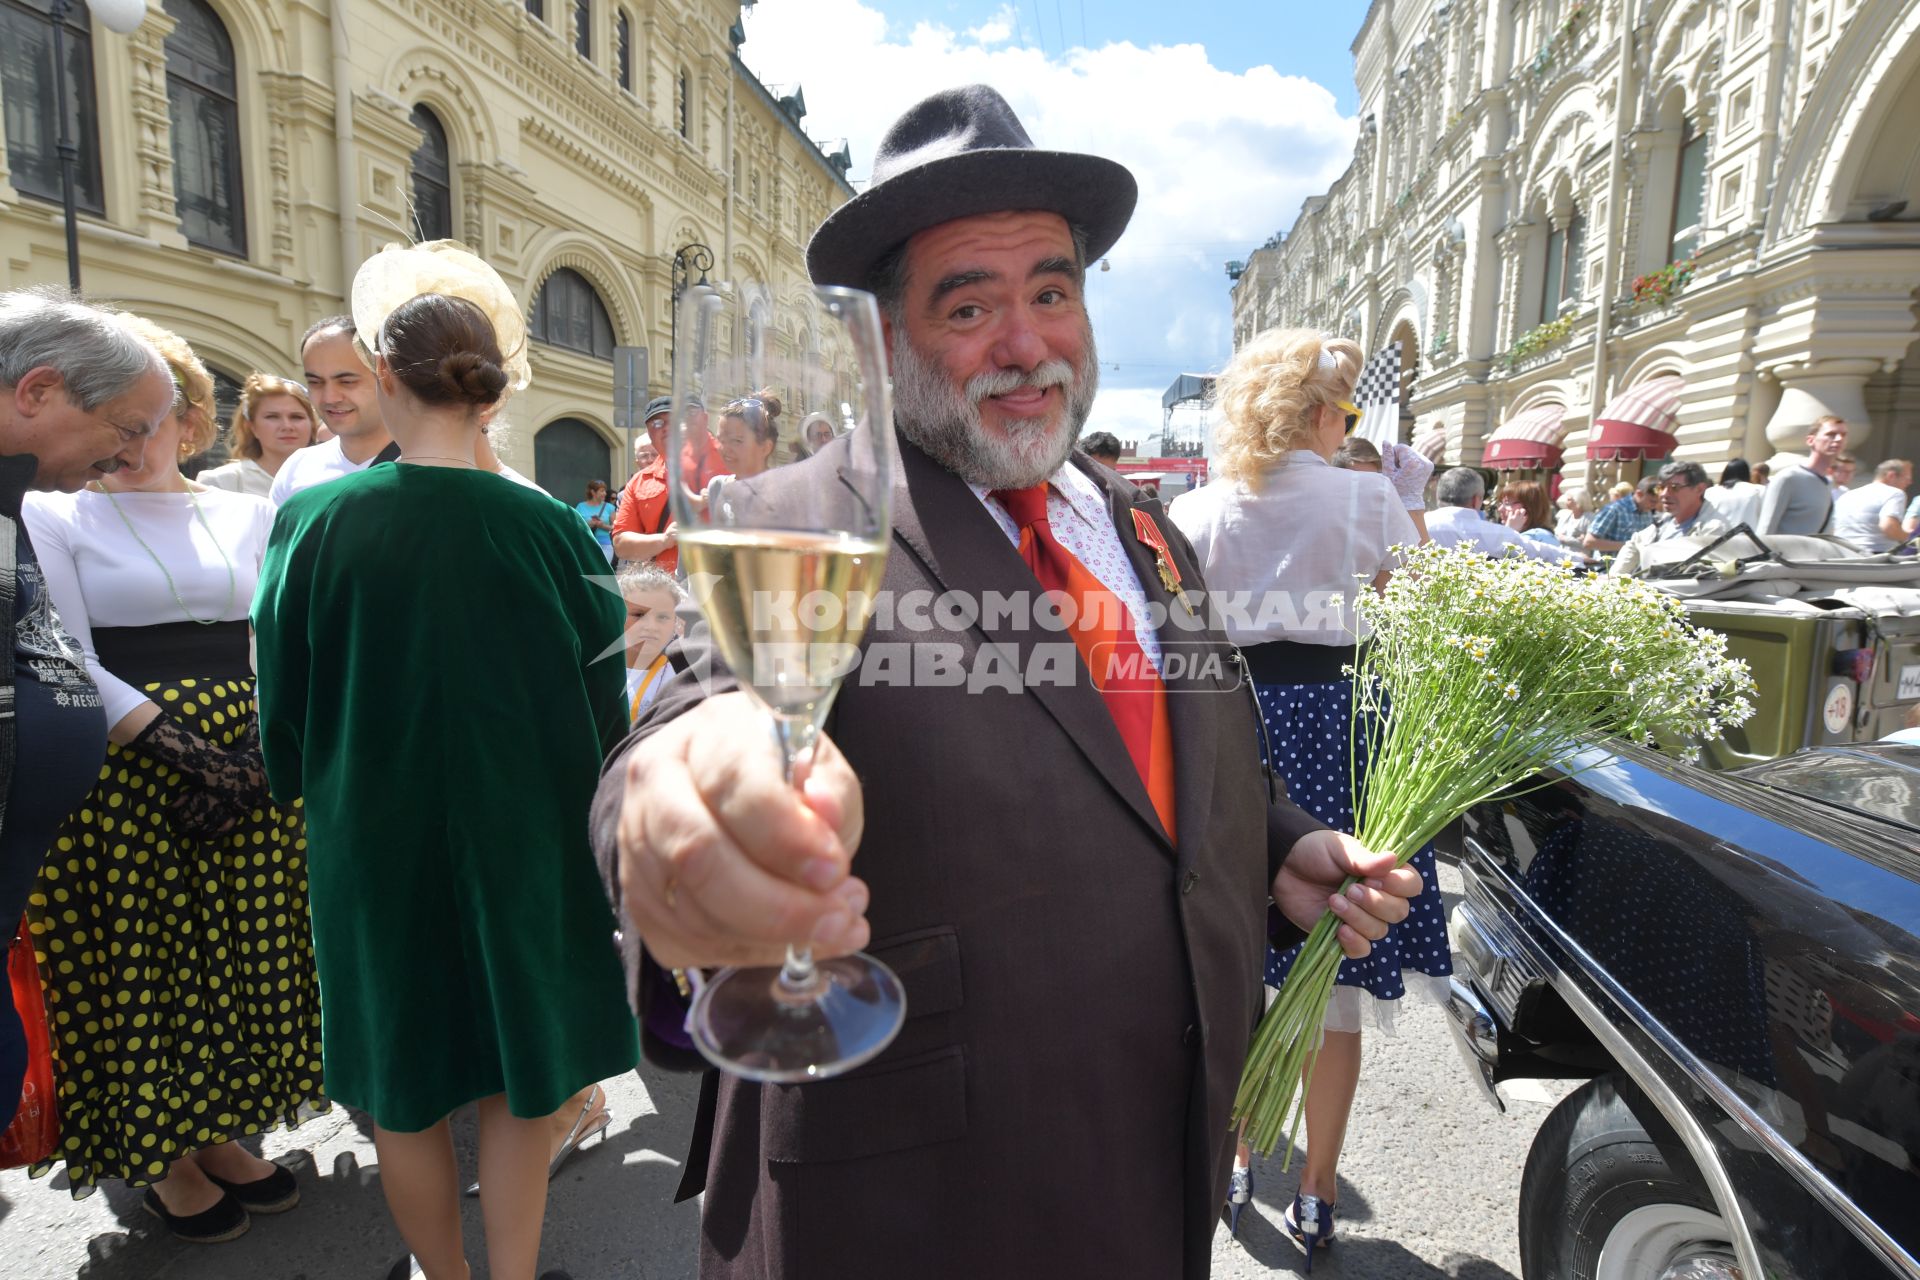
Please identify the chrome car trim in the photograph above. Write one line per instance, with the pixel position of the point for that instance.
(1476, 1033)
(1685, 1124)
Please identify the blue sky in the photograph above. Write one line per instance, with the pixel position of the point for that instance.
(1294, 38)
(1228, 114)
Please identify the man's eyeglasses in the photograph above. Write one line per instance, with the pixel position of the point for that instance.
(1351, 412)
(1668, 486)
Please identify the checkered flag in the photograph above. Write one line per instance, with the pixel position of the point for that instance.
(1377, 395)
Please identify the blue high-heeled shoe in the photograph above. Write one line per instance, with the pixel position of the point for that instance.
(1239, 1196)
(1310, 1222)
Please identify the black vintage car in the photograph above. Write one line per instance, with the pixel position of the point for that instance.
(1731, 963)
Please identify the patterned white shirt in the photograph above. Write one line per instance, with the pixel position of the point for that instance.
(1082, 523)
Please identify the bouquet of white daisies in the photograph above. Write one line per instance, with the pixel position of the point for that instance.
(1495, 669)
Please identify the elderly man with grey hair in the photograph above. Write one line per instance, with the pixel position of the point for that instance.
(1457, 522)
(1683, 492)
(79, 395)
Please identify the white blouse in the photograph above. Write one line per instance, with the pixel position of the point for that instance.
(1285, 558)
(242, 475)
(100, 575)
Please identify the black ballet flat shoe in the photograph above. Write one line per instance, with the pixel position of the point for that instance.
(275, 1193)
(227, 1220)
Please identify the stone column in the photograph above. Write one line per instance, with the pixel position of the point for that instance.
(1833, 320)
(153, 129)
(1814, 389)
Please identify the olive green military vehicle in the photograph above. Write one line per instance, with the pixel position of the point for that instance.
(1831, 633)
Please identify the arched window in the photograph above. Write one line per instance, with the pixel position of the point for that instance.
(432, 179)
(568, 313)
(1566, 263)
(683, 104)
(623, 49)
(1689, 194)
(203, 100)
(566, 454)
(26, 82)
(583, 28)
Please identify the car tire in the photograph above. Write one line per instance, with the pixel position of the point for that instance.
(1609, 1191)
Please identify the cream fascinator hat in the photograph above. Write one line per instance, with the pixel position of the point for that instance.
(400, 273)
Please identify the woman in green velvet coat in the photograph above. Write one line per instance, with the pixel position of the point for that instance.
(431, 646)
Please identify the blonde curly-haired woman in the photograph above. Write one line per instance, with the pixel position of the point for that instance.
(170, 918)
(1301, 537)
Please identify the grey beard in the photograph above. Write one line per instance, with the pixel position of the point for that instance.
(944, 420)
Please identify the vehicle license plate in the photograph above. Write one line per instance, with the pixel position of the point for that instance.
(1909, 682)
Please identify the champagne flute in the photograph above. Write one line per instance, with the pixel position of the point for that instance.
(785, 568)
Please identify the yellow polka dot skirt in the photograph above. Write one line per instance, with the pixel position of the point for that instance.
(178, 975)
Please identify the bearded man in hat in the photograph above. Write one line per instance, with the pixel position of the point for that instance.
(1071, 879)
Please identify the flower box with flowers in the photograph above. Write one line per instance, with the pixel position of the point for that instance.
(1540, 338)
(1657, 288)
(1496, 670)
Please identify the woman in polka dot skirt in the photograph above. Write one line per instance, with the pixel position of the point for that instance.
(170, 918)
(1302, 537)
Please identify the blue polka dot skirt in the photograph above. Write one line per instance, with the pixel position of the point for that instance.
(1307, 727)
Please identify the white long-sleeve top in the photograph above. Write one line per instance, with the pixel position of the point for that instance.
(1287, 557)
(100, 576)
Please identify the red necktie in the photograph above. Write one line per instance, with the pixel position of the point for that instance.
(1103, 633)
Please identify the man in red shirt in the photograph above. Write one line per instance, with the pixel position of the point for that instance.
(643, 527)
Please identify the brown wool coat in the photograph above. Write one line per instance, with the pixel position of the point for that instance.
(1080, 993)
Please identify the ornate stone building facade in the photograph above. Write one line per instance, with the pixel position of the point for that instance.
(1554, 201)
(239, 158)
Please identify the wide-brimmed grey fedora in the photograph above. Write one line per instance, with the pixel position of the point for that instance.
(956, 154)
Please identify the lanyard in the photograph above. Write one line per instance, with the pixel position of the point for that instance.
(639, 695)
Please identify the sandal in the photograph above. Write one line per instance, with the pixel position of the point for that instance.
(1310, 1222)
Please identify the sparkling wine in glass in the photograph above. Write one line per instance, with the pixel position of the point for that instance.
(785, 566)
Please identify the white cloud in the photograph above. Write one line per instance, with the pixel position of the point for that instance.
(1223, 159)
(995, 30)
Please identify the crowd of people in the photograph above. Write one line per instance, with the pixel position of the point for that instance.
(255, 827)
(1791, 494)
(161, 801)
(256, 837)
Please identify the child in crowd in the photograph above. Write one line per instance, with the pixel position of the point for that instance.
(652, 595)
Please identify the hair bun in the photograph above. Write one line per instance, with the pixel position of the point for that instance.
(445, 351)
(470, 378)
(769, 403)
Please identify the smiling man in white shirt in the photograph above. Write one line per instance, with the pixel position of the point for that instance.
(1457, 521)
(341, 385)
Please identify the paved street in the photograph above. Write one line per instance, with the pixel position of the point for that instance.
(1427, 1190)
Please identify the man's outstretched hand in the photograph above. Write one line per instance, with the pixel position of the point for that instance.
(1309, 885)
(722, 861)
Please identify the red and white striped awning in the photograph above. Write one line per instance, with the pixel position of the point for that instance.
(1432, 444)
(1638, 423)
(1527, 441)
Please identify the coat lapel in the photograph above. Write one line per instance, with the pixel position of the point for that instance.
(1191, 689)
(938, 520)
